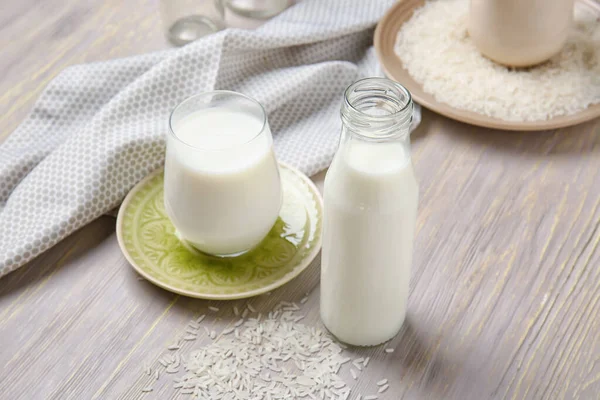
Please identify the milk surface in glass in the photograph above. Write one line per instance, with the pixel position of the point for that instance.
(370, 211)
(222, 184)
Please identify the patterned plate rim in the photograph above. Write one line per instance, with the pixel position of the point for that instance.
(300, 267)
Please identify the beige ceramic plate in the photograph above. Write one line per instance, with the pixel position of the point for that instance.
(385, 38)
(148, 241)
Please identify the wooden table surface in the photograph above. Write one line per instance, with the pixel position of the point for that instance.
(505, 288)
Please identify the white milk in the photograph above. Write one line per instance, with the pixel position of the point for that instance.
(222, 184)
(371, 200)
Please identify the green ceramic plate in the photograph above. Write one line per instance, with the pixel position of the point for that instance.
(147, 239)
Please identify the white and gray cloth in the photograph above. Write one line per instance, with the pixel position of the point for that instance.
(99, 128)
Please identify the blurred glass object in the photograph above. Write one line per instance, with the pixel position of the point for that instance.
(257, 8)
(187, 20)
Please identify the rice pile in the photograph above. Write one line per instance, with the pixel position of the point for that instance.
(271, 357)
(436, 50)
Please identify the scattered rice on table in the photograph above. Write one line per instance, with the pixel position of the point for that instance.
(272, 358)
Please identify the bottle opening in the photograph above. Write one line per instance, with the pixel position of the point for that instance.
(377, 108)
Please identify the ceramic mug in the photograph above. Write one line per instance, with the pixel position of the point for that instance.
(520, 33)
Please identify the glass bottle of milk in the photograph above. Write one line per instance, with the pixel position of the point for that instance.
(371, 197)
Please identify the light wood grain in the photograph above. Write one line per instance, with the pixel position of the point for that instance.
(505, 289)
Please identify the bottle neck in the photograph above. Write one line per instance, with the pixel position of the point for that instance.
(376, 114)
(373, 156)
(351, 136)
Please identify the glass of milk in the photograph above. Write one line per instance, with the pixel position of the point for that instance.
(370, 199)
(222, 183)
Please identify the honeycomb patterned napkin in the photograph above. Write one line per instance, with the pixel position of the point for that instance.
(99, 128)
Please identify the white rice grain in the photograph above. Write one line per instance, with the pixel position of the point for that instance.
(383, 388)
(228, 331)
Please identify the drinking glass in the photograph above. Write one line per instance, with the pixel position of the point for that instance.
(257, 8)
(187, 20)
(222, 188)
